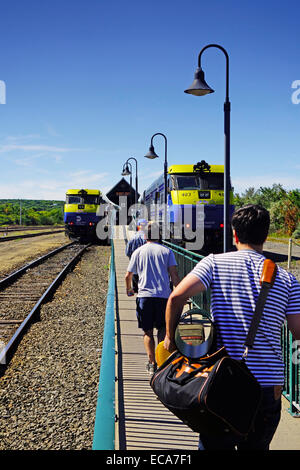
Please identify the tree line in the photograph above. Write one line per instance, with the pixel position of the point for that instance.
(283, 205)
(31, 212)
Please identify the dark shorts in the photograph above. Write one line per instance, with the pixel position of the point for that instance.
(150, 312)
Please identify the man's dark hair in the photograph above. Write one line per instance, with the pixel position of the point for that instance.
(251, 224)
(153, 232)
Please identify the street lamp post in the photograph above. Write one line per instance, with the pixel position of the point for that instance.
(199, 87)
(151, 154)
(127, 171)
(136, 176)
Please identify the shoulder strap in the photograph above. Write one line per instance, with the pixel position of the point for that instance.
(267, 280)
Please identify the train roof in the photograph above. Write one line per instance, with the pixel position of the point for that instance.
(190, 169)
(94, 192)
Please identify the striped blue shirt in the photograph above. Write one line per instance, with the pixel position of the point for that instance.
(234, 280)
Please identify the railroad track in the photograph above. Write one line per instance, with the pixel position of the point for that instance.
(29, 235)
(28, 228)
(24, 291)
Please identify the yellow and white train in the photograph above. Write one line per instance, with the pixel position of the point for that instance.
(187, 186)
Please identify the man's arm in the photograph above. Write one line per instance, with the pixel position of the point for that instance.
(293, 323)
(128, 280)
(188, 287)
(174, 275)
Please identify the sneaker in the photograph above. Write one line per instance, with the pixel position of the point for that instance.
(151, 368)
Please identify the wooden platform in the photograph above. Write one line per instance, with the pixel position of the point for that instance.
(143, 422)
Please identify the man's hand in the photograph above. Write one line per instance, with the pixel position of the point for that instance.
(169, 345)
(130, 292)
(128, 281)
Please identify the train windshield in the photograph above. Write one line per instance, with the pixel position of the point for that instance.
(90, 199)
(86, 199)
(73, 200)
(208, 181)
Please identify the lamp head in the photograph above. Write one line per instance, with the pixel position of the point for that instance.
(151, 154)
(126, 171)
(199, 86)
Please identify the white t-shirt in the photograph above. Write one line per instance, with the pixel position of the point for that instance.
(151, 262)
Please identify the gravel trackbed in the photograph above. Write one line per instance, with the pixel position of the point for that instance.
(49, 391)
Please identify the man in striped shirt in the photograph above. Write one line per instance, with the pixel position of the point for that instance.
(234, 280)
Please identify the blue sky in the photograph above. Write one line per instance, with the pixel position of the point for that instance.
(89, 81)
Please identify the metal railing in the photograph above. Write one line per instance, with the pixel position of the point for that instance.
(292, 242)
(104, 430)
(291, 356)
(186, 260)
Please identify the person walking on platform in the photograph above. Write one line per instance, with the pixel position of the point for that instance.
(154, 264)
(234, 281)
(138, 239)
(135, 242)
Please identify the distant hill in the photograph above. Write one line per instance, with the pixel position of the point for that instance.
(31, 212)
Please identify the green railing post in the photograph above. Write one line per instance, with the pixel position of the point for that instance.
(104, 430)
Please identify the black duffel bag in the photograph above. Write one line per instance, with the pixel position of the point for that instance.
(213, 394)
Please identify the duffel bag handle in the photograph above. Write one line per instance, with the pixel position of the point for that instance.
(193, 351)
(186, 375)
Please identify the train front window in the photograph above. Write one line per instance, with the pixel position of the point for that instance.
(207, 181)
(90, 199)
(73, 200)
(212, 181)
(188, 182)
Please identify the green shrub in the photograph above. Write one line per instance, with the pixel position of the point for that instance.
(296, 233)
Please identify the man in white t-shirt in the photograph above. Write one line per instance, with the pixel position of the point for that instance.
(234, 281)
(154, 264)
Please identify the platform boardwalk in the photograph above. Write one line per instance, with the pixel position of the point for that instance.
(143, 422)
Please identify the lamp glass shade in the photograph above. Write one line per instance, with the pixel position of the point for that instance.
(126, 171)
(199, 87)
(151, 154)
